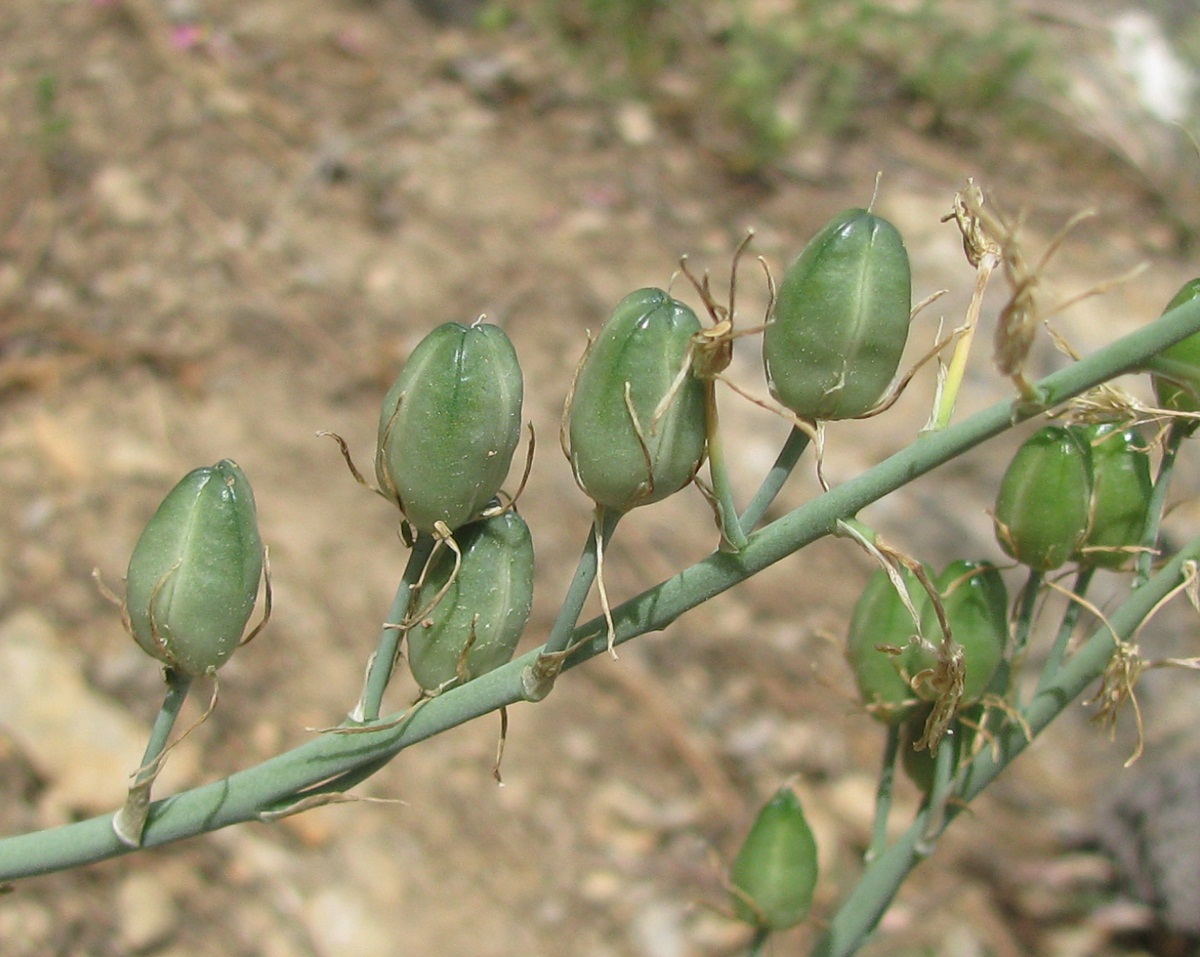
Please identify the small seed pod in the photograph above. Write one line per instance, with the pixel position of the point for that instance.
(841, 320)
(1044, 503)
(921, 764)
(194, 575)
(450, 425)
(881, 620)
(1121, 491)
(1177, 368)
(474, 626)
(975, 600)
(775, 872)
(624, 449)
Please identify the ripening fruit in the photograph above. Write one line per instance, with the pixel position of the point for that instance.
(194, 574)
(1121, 491)
(623, 455)
(841, 320)
(881, 619)
(775, 872)
(1044, 503)
(1177, 368)
(450, 425)
(475, 626)
(975, 600)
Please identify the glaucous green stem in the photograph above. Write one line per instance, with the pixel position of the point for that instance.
(883, 793)
(733, 538)
(1157, 506)
(178, 686)
(871, 896)
(379, 672)
(244, 795)
(130, 821)
(785, 462)
(1026, 604)
(541, 675)
(1058, 651)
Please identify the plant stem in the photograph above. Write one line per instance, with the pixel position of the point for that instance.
(883, 794)
(1156, 508)
(785, 462)
(1026, 604)
(379, 672)
(130, 821)
(733, 537)
(1058, 651)
(545, 670)
(962, 349)
(245, 794)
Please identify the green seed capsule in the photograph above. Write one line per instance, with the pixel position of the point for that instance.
(621, 454)
(1121, 491)
(975, 601)
(776, 870)
(475, 626)
(1177, 368)
(194, 575)
(1044, 503)
(921, 765)
(450, 425)
(841, 320)
(881, 619)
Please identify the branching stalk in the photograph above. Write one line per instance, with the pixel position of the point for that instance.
(246, 794)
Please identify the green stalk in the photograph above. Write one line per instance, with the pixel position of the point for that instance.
(883, 794)
(379, 671)
(549, 664)
(1058, 651)
(244, 795)
(130, 821)
(1157, 506)
(733, 537)
(785, 462)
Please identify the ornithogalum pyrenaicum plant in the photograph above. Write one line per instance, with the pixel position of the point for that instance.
(944, 661)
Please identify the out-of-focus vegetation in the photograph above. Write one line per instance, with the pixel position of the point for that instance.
(777, 70)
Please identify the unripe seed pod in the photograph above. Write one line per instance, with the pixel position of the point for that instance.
(1121, 492)
(450, 425)
(194, 574)
(621, 454)
(1043, 506)
(841, 319)
(475, 626)
(921, 765)
(975, 600)
(881, 619)
(1177, 368)
(775, 872)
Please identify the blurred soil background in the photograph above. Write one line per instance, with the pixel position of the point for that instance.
(223, 225)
